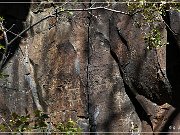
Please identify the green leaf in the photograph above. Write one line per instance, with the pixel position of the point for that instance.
(1, 19)
(3, 127)
(37, 113)
(62, 9)
(3, 76)
(14, 115)
(2, 46)
(70, 13)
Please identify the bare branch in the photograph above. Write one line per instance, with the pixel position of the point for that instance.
(53, 15)
(137, 11)
(5, 123)
(5, 58)
(169, 28)
(28, 28)
(4, 33)
(93, 4)
(11, 27)
(6, 44)
(13, 33)
(95, 8)
(64, 3)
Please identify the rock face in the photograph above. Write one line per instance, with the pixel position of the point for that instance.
(93, 67)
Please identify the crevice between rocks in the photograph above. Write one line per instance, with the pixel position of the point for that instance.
(87, 73)
(139, 106)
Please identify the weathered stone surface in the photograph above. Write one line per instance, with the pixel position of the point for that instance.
(95, 68)
(110, 108)
(49, 71)
(140, 66)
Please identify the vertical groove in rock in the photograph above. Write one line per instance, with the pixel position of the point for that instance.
(88, 62)
(85, 66)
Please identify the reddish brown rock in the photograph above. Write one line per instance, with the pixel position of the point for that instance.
(95, 68)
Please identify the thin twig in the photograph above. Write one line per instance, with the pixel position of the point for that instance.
(93, 4)
(52, 15)
(137, 11)
(64, 3)
(28, 28)
(6, 44)
(96, 8)
(5, 58)
(169, 28)
(5, 123)
(13, 33)
(11, 27)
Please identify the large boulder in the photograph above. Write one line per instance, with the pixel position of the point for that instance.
(93, 67)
